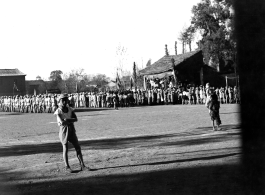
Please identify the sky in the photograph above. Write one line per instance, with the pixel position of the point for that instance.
(38, 37)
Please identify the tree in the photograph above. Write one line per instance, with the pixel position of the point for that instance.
(190, 35)
(183, 38)
(217, 42)
(56, 75)
(186, 36)
(75, 80)
(56, 78)
(121, 55)
(101, 80)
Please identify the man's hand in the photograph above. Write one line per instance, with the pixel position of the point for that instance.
(64, 122)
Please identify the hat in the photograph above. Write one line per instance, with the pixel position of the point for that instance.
(62, 96)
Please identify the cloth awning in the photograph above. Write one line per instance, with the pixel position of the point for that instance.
(159, 76)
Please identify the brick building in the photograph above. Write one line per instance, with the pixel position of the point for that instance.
(36, 87)
(12, 82)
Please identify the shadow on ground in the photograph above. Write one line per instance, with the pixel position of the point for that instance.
(187, 138)
(91, 109)
(90, 115)
(199, 180)
(11, 113)
(229, 112)
(223, 127)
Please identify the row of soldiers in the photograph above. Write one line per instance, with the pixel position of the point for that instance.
(181, 95)
(48, 103)
(29, 104)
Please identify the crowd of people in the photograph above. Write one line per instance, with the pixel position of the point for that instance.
(48, 103)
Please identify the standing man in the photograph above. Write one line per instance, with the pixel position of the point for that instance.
(67, 133)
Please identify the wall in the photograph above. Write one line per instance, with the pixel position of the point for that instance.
(7, 84)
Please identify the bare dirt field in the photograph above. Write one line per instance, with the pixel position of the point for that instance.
(140, 150)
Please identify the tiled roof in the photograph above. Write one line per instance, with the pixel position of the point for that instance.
(11, 72)
(164, 64)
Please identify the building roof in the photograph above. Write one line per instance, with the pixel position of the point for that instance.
(126, 78)
(11, 72)
(111, 84)
(35, 82)
(165, 64)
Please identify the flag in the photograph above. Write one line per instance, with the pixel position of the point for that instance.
(15, 87)
(134, 76)
(118, 81)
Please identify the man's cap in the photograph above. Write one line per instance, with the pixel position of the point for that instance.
(62, 96)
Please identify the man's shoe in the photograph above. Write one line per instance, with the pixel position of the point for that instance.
(84, 168)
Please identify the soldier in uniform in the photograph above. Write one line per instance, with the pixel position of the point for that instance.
(235, 95)
(49, 104)
(222, 95)
(27, 104)
(1, 103)
(42, 103)
(33, 104)
(189, 95)
(231, 95)
(76, 100)
(38, 101)
(53, 101)
(197, 95)
(5, 103)
(21, 104)
(45, 103)
(226, 95)
(15, 105)
(100, 100)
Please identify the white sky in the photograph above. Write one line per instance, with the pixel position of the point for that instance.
(38, 37)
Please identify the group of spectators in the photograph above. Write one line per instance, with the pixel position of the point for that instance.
(48, 103)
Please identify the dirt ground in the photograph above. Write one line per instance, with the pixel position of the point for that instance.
(140, 150)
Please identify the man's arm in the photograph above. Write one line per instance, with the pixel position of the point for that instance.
(62, 121)
(73, 118)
